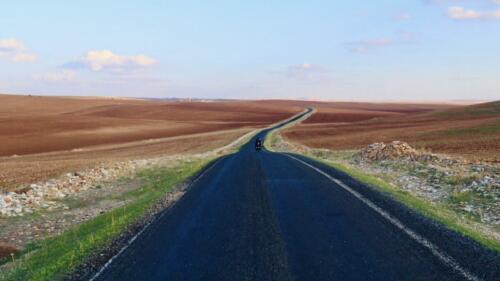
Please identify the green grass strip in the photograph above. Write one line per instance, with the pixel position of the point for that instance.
(52, 258)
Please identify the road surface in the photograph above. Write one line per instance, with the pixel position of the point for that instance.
(268, 216)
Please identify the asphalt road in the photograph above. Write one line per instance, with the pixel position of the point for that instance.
(267, 216)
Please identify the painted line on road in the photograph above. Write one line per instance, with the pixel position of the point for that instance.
(131, 240)
(445, 258)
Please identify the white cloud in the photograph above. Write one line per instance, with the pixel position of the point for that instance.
(63, 75)
(367, 45)
(106, 60)
(15, 51)
(460, 13)
(11, 45)
(402, 17)
(23, 57)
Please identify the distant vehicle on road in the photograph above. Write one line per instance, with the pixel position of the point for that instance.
(258, 144)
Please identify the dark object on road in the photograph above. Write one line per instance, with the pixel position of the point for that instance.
(258, 144)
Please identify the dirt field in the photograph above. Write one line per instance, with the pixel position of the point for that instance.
(469, 131)
(42, 124)
(42, 137)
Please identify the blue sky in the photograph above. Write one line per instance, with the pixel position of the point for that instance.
(347, 50)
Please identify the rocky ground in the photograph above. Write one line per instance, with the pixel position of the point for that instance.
(49, 195)
(471, 189)
(45, 209)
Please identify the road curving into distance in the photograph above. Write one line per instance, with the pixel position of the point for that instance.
(273, 216)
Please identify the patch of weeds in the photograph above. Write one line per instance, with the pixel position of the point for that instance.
(461, 197)
(74, 203)
(485, 109)
(462, 178)
(490, 129)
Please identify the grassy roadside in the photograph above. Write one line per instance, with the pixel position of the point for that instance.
(435, 211)
(52, 258)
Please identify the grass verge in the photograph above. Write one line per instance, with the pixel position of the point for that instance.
(431, 210)
(435, 211)
(53, 258)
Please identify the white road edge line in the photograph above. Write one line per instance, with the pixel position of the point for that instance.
(446, 259)
(131, 240)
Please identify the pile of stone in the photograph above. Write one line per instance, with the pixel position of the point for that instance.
(474, 188)
(10, 204)
(44, 195)
(48, 194)
(394, 150)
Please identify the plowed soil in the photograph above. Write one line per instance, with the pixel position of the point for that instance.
(471, 131)
(42, 137)
(42, 124)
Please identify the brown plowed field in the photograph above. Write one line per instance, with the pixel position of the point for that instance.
(42, 124)
(42, 137)
(469, 131)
